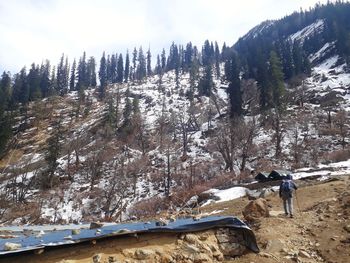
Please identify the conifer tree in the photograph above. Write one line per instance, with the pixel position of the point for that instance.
(276, 78)
(232, 70)
(72, 76)
(149, 63)
(120, 69)
(91, 72)
(34, 83)
(103, 76)
(158, 68)
(51, 157)
(141, 70)
(5, 89)
(206, 83)
(83, 81)
(127, 67)
(53, 82)
(163, 60)
(112, 69)
(134, 60)
(45, 79)
(217, 60)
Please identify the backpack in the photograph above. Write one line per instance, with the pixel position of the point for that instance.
(286, 187)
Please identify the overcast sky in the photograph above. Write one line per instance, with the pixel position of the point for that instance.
(32, 30)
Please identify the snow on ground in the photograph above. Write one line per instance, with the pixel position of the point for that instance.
(226, 195)
(322, 170)
(302, 34)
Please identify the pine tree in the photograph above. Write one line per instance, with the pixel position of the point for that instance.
(53, 82)
(112, 69)
(5, 131)
(91, 72)
(232, 70)
(158, 68)
(83, 81)
(217, 60)
(127, 113)
(34, 83)
(127, 67)
(188, 56)
(149, 63)
(276, 79)
(73, 76)
(120, 69)
(163, 60)
(5, 89)
(134, 60)
(103, 76)
(20, 88)
(206, 83)
(45, 79)
(141, 71)
(51, 157)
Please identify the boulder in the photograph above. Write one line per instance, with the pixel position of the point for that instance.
(256, 209)
(142, 254)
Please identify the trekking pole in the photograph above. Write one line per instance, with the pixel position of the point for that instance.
(296, 198)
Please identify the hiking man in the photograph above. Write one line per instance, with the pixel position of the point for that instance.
(286, 193)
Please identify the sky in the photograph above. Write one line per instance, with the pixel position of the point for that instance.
(34, 30)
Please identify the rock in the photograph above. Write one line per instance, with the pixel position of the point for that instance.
(304, 254)
(190, 248)
(191, 239)
(347, 228)
(128, 253)
(12, 246)
(112, 259)
(96, 258)
(256, 209)
(232, 249)
(199, 258)
(166, 259)
(142, 254)
(94, 225)
(274, 245)
(265, 255)
(75, 231)
(222, 238)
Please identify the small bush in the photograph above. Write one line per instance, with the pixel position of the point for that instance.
(338, 156)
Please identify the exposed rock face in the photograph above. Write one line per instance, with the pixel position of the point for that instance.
(256, 209)
(215, 245)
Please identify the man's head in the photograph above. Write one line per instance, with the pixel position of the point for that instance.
(289, 177)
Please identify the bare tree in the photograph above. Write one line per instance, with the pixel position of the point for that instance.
(94, 165)
(278, 131)
(341, 122)
(235, 142)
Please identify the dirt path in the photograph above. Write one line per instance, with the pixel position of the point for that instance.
(316, 233)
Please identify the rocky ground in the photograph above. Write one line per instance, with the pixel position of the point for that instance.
(319, 232)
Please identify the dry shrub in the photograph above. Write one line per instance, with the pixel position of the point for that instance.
(338, 156)
(264, 165)
(148, 208)
(326, 131)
